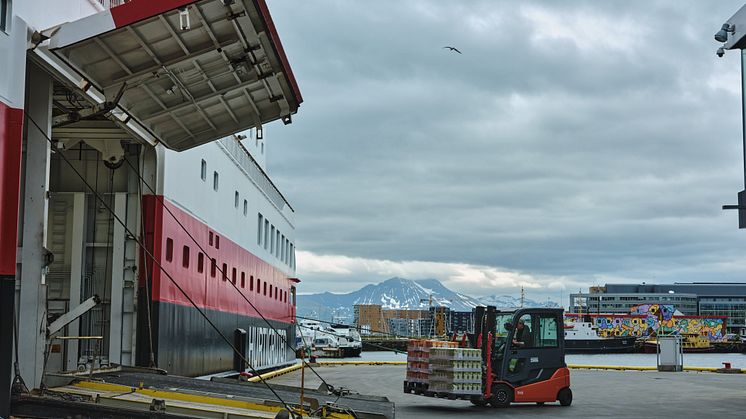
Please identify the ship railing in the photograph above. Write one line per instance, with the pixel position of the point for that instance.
(234, 149)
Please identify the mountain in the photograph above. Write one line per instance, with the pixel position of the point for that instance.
(507, 301)
(396, 293)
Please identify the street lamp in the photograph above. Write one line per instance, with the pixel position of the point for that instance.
(733, 37)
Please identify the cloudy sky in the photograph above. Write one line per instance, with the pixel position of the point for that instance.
(572, 143)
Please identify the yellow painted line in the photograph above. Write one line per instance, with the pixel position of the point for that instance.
(639, 368)
(362, 363)
(275, 373)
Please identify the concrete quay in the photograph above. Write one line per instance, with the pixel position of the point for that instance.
(597, 394)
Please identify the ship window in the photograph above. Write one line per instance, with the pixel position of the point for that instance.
(282, 248)
(225, 272)
(251, 283)
(235, 200)
(270, 290)
(277, 248)
(215, 180)
(169, 250)
(265, 289)
(243, 279)
(272, 241)
(212, 238)
(217, 241)
(213, 267)
(258, 285)
(4, 14)
(200, 262)
(245, 207)
(185, 257)
(259, 222)
(266, 233)
(233, 277)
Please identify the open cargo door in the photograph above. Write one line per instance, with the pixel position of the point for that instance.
(180, 72)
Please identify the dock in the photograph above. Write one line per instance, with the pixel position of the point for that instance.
(597, 393)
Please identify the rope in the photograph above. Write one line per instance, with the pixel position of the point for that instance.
(150, 254)
(219, 269)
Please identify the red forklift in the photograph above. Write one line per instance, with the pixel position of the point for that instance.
(523, 358)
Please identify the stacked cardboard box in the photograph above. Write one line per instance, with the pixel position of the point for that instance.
(418, 358)
(455, 371)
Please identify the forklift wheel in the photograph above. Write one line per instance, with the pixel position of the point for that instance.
(478, 401)
(565, 396)
(502, 395)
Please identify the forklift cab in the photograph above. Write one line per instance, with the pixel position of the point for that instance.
(524, 354)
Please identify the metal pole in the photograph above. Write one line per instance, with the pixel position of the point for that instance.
(743, 114)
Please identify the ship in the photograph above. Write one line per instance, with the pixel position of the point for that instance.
(140, 225)
(327, 341)
(582, 337)
(690, 343)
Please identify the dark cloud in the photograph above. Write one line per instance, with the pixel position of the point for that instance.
(583, 140)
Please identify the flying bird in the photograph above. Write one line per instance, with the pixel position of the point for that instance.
(452, 49)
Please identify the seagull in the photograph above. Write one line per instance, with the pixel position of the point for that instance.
(452, 49)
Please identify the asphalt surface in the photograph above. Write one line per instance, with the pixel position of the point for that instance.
(597, 394)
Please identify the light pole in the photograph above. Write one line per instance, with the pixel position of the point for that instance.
(732, 35)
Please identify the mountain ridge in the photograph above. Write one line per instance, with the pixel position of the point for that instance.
(399, 293)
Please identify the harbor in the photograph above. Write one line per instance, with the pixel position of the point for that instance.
(474, 208)
(634, 394)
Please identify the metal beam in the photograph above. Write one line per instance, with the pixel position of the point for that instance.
(117, 280)
(32, 302)
(77, 262)
(72, 315)
(201, 99)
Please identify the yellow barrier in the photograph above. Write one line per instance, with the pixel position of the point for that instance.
(637, 368)
(275, 373)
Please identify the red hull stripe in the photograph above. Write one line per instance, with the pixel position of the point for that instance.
(11, 134)
(179, 256)
(137, 10)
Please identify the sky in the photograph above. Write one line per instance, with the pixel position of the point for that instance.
(570, 144)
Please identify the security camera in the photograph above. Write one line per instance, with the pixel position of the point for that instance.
(720, 52)
(722, 34)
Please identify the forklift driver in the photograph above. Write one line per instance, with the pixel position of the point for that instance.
(522, 336)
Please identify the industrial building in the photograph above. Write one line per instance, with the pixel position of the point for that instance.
(691, 299)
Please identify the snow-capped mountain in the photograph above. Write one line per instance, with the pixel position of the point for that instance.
(398, 293)
(507, 301)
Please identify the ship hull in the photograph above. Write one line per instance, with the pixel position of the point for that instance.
(600, 346)
(184, 343)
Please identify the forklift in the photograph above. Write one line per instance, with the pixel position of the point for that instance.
(523, 357)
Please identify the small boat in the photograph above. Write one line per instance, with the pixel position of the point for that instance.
(582, 337)
(691, 343)
(336, 341)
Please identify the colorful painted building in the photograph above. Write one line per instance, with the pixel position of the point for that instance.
(656, 319)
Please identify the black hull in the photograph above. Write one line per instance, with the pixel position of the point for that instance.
(185, 344)
(600, 346)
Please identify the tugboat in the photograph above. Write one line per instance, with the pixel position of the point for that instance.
(691, 343)
(582, 337)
